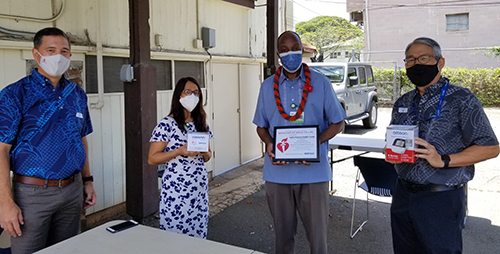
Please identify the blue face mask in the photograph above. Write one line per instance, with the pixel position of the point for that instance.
(291, 60)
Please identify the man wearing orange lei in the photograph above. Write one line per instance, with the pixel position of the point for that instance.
(297, 96)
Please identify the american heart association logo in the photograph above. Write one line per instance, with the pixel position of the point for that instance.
(283, 145)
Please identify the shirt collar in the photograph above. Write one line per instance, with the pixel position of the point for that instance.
(43, 81)
(283, 78)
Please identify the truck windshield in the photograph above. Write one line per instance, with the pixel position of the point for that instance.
(334, 73)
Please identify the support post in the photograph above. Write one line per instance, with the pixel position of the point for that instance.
(272, 14)
(140, 117)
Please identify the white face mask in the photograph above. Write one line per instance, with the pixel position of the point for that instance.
(54, 65)
(189, 102)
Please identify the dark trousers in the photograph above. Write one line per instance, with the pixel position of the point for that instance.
(311, 203)
(427, 222)
(51, 214)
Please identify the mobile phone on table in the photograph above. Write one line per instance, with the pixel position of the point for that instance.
(122, 226)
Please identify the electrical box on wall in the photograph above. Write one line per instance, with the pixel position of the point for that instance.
(208, 36)
(159, 40)
(127, 73)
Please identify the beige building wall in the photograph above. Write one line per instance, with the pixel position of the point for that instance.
(240, 41)
(389, 25)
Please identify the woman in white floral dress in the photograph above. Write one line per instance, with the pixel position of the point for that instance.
(184, 185)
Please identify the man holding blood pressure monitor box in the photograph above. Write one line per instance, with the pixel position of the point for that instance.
(429, 200)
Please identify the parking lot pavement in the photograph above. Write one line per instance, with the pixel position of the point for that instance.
(244, 219)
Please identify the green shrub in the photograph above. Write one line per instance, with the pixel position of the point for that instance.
(484, 83)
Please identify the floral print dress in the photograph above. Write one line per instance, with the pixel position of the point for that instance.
(184, 185)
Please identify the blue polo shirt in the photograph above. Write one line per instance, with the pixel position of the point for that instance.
(322, 108)
(56, 151)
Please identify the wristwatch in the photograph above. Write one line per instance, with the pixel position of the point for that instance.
(446, 159)
(87, 179)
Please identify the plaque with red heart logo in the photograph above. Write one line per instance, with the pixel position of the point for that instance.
(296, 143)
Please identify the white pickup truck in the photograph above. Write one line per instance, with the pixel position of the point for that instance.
(355, 89)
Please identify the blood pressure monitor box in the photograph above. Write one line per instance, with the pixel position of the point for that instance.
(197, 141)
(400, 144)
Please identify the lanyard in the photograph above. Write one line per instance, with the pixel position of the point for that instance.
(440, 103)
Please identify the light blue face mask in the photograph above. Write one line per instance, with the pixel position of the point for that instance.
(291, 60)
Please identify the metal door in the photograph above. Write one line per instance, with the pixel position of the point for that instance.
(352, 107)
(226, 117)
(250, 80)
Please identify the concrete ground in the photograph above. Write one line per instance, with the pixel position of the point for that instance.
(240, 215)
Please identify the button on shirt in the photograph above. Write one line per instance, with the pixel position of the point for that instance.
(322, 108)
(463, 123)
(56, 151)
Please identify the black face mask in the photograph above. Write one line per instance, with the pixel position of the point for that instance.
(422, 75)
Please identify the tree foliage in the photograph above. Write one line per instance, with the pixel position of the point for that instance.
(325, 31)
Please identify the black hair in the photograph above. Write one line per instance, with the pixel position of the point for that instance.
(38, 39)
(288, 31)
(177, 110)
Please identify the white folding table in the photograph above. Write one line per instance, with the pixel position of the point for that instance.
(357, 143)
(140, 239)
(354, 143)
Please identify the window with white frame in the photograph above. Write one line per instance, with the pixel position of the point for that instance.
(457, 22)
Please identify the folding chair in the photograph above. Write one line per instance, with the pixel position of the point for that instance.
(380, 178)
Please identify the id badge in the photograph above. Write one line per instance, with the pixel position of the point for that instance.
(299, 119)
(402, 110)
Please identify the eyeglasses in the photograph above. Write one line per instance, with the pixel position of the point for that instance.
(195, 92)
(423, 59)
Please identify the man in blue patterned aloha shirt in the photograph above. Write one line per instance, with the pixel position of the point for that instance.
(44, 120)
(428, 206)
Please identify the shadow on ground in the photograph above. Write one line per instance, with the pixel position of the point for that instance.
(248, 224)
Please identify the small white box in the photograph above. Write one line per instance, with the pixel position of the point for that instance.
(400, 143)
(197, 141)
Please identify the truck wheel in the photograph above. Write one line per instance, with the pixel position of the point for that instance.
(371, 121)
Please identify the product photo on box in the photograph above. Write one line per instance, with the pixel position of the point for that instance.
(401, 143)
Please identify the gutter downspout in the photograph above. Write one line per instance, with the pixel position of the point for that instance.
(207, 65)
(100, 66)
